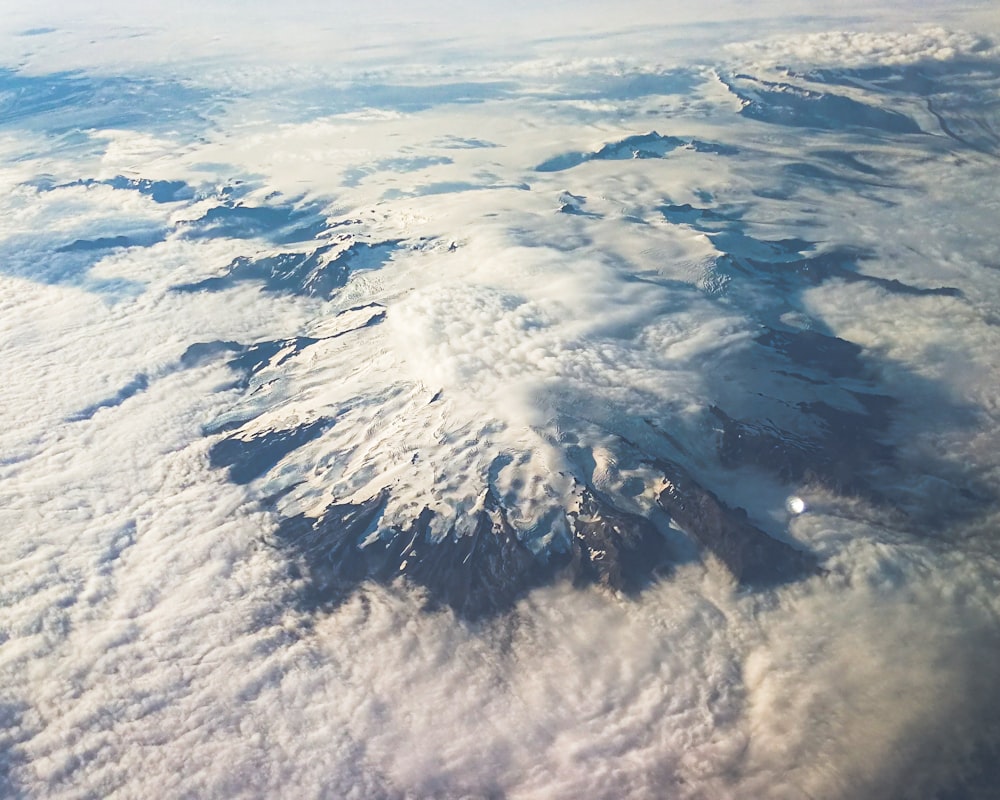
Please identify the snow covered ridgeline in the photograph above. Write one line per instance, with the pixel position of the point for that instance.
(448, 428)
(448, 422)
(487, 569)
(581, 374)
(603, 515)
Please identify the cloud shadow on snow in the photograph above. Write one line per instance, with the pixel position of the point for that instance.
(820, 415)
(63, 102)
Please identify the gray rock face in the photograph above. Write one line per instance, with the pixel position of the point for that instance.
(614, 548)
(846, 445)
(754, 558)
(318, 272)
(787, 104)
(642, 145)
(476, 575)
(250, 458)
(486, 571)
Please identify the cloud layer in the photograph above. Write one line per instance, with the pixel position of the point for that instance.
(224, 308)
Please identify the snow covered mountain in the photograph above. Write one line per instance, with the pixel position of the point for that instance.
(505, 424)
